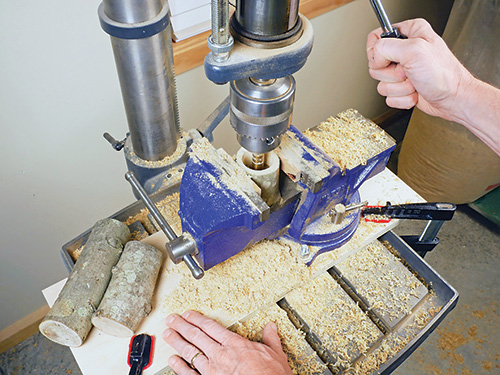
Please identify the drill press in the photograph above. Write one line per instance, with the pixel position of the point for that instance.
(281, 184)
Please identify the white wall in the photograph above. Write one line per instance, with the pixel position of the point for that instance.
(59, 92)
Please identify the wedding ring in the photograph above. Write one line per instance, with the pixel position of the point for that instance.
(191, 363)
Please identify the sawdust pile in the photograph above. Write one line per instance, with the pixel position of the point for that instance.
(349, 138)
(169, 208)
(388, 286)
(257, 276)
(301, 358)
(343, 328)
(391, 344)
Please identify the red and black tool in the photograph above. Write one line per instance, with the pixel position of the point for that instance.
(412, 211)
(140, 355)
(436, 213)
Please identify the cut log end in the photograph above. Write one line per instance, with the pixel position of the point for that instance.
(69, 320)
(111, 327)
(60, 333)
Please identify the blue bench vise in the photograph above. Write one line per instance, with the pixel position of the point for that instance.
(222, 213)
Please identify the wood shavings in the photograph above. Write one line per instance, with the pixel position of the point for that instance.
(169, 208)
(343, 328)
(391, 344)
(166, 161)
(349, 138)
(301, 358)
(257, 276)
(388, 287)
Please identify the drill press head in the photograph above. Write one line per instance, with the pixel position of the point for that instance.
(262, 96)
(261, 111)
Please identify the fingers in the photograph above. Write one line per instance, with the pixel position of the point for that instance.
(382, 51)
(180, 366)
(396, 88)
(186, 350)
(402, 102)
(193, 334)
(372, 38)
(210, 327)
(416, 28)
(391, 73)
(271, 338)
(387, 50)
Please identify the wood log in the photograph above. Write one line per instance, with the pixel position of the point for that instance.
(127, 300)
(68, 322)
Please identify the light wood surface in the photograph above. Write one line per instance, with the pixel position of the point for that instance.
(107, 355)
(190, 53)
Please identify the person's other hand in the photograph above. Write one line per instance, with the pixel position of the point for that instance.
(222, 351)
(420, 70)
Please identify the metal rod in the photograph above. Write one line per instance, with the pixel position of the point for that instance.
(221, 41)
(188, 259)
(165, 227)
(214, 119)
(431, 230)
(146, 74)
(220, 21)
(196, 270)
(382, 16)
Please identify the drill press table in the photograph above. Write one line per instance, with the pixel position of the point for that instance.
(106, 354)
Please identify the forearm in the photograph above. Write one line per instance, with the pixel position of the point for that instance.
(478, 109)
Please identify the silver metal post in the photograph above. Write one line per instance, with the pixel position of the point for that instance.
(220, 21)
(431, 230)
(145, 70)
(221, 41)
(382, 16)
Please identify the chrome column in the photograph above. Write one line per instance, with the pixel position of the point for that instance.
(145, 70)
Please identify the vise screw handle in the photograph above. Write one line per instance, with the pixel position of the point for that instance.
(195, 269)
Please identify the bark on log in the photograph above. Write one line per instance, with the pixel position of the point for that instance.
(68, 322)
(127, 300)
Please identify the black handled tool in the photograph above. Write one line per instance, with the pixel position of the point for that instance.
(414, 211)
(436, 213)
(140, 353)
(388, 31)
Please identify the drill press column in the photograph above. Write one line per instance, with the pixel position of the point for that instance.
(141, 38)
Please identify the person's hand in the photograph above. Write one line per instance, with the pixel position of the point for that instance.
(420, 70)
(222, 352)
